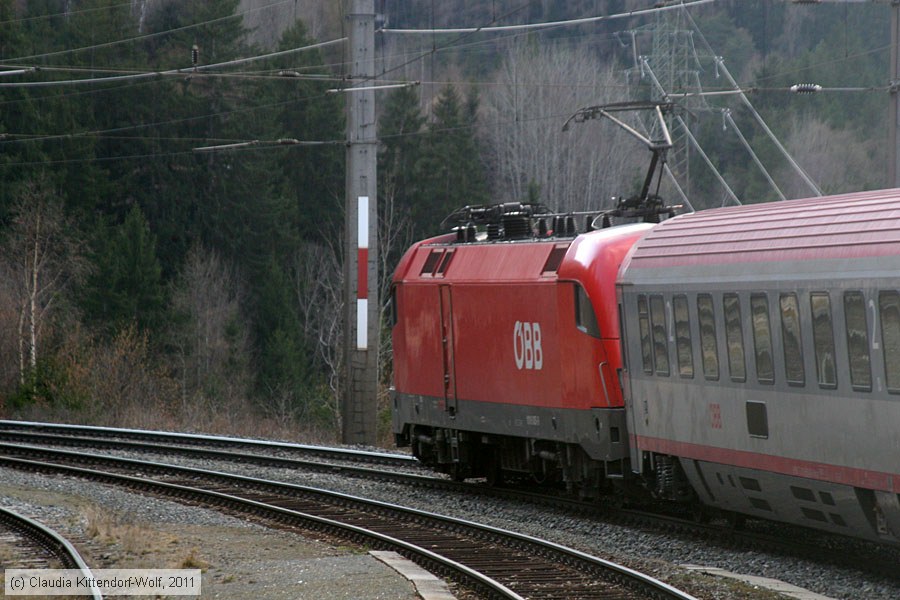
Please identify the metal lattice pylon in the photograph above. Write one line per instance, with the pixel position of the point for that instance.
(673, 67)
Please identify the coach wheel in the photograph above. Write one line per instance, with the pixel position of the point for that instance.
(700, 514)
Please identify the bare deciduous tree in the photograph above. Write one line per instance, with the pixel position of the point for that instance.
(9, 371)
(126, 388)
(212, 343)
(318, 279)
(318, 285)
(40, 260)
(579, 169)
(835, 159)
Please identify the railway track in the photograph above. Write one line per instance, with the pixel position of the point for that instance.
(83, 435)
(491, 562)
(807, 544)
(39, 547)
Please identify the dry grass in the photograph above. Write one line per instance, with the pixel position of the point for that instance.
(111, 528)
(192, 561)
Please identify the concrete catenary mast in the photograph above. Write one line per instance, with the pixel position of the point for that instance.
(361, 305)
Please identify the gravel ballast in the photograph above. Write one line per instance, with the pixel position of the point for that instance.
(651, 552)
(114, 528)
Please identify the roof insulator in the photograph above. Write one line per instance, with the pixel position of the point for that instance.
(806, 88)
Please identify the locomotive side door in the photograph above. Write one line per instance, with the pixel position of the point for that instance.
(447, 343)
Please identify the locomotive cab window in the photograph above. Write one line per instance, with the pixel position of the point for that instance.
(585, 317)
(858, 341)
(790, 337)
(889, 309)
(709, 348)
(734, 337)
(823, 339)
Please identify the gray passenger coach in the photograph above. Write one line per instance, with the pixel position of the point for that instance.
(762, 360)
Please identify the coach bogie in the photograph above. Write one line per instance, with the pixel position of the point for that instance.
(668, 481)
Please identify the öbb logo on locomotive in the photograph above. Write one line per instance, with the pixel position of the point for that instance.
(527, 346)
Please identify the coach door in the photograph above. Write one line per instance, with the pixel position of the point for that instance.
(448, 345)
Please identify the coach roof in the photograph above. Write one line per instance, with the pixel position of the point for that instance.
(756, 238)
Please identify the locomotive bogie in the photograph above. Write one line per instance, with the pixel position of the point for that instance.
(600, 432)
(463, 453)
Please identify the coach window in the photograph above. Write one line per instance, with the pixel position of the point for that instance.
(683, 347)
(660, 345)
(889, 309)
(734, 337)
(709, 348)
(823, 339)
(762, 338)
(585, 318)
(644, 324)
(790, 336)
(858, 341)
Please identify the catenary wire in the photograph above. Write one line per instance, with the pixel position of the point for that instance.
(146, 36)
(183, 71)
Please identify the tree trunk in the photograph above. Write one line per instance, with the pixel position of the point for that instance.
(33, 308)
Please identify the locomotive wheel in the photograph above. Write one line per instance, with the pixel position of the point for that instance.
(492, 471)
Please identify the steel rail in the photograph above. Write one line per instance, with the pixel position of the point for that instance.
(50, 540)
(574, 559)
(207, 440)
(865, 558)
(203, 451)
(421, 555)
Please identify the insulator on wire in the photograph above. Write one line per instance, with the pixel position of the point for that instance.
(195, 55)
(806, 88)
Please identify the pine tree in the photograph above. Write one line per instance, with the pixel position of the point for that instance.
(127, 285)
(402, 141)
(313, 176)
(285, 363)
(451, 169)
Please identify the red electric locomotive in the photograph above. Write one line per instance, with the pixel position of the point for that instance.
(506, 349)
(506, 337)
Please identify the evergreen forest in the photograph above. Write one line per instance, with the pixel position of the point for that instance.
(171, 236)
